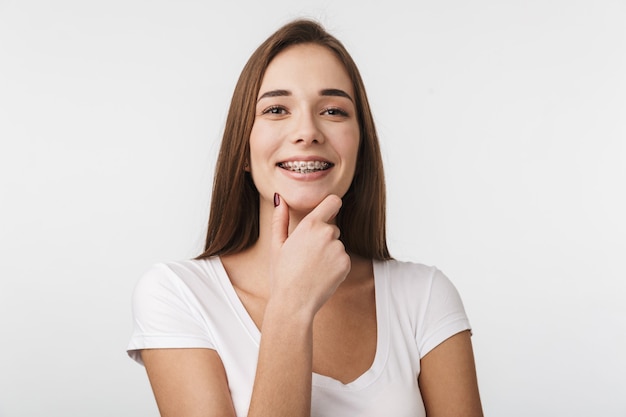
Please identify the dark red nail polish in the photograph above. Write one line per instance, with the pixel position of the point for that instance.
(276, 200)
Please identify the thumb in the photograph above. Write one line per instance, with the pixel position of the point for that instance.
(280, 221)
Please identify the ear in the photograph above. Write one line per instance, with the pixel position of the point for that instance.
(246, 166)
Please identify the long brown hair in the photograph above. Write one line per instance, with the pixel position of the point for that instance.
(234, 216)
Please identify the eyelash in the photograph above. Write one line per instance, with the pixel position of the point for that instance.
(276, 109)
(339, 112)
(271, 110)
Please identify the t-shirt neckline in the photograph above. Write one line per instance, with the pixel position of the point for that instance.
(319, 380)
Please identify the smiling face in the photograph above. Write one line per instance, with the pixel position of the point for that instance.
(305, 137)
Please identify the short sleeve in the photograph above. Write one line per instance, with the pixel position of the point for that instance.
(165, 314)
(444, 315)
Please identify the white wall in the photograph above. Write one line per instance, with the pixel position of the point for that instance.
(503, 126)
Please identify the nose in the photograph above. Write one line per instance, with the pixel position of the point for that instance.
(306, 129)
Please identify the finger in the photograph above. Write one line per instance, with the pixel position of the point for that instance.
(280, 221)
(327, 209)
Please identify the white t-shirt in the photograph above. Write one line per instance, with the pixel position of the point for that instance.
(192, 304)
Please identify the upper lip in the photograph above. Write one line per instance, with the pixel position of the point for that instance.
(305, 158)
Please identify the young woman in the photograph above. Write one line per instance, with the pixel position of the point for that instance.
(296, 307)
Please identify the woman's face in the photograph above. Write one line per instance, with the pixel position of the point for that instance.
(305, 137)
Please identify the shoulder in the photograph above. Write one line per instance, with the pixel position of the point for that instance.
(183, 269)
(406, 268)
(416, 279)
(408, 276)
(168, 309)
(177, 283)
(427, 297)
(407, 286)
(174, 274)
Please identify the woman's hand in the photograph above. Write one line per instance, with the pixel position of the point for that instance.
(308, 265)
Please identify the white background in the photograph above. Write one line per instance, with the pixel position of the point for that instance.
(503, 127)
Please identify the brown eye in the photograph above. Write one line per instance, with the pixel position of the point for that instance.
(275, 110)
(335, 111)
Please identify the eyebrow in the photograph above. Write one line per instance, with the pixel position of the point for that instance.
(325, 92)
(335, 92)
(274, 93)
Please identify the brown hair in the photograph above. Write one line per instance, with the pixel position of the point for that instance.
(234, 216)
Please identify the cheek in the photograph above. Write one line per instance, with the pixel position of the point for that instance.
(258, 141)
(349, 145)
(254, 138)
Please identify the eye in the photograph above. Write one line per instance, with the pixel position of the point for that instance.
(275, 110)
(335, 111)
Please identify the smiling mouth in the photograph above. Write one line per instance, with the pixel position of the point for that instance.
(305, 167)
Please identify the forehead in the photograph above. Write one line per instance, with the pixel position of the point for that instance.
(306, 65)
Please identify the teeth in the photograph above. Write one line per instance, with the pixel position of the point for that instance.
(305, 167)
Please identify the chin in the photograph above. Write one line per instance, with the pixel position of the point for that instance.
(303, 205)
(304, 202)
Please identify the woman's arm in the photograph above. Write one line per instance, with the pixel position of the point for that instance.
(448, 379)
(193, 382)
(188, 382)
(282, 385)
(306, 269)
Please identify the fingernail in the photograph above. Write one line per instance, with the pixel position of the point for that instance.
(276, 200)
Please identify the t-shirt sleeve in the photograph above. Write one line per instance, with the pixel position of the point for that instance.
(164, 315)
(444, 315)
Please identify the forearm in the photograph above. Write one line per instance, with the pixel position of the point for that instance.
(282, 385)
(306, 267)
